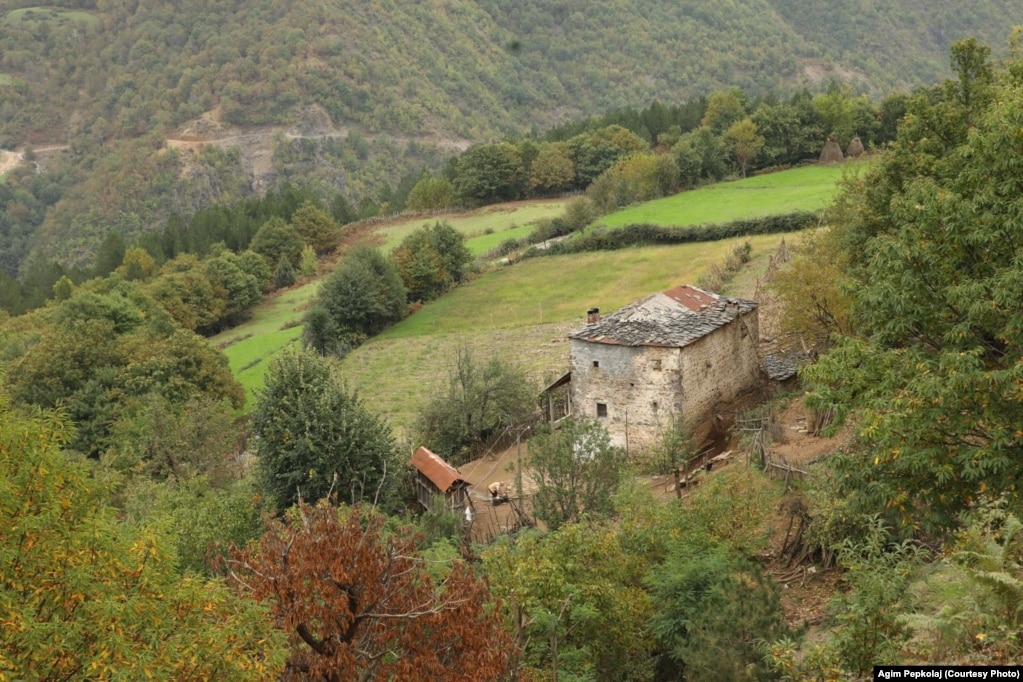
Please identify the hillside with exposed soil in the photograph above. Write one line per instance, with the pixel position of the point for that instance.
(252, 95)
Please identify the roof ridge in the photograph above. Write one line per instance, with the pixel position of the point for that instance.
(673, 318)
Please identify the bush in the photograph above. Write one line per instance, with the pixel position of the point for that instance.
(643, 234)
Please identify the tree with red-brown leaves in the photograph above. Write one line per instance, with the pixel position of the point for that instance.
(358, 603)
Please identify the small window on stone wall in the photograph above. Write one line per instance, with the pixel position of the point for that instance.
(596, 363)
(657, 364)
(601, 410)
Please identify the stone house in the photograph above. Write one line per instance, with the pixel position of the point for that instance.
(682, 352)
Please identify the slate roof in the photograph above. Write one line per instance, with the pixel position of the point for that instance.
(782, 366)
(672, 319)
(440, 473)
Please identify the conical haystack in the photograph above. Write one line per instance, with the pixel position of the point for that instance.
(832, 152)
(855, 148)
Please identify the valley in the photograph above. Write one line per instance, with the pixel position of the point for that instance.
(649, 341)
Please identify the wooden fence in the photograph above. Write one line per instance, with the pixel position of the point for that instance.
(760, 429)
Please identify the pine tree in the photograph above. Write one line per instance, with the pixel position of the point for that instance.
(284, 274)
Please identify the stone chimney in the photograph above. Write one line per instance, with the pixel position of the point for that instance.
(731, 307)
(593, 316)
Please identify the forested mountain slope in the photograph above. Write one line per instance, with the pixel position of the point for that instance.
(619, 52)
(119, 67)
(408, 77)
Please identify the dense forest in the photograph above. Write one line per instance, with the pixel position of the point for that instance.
(384, 90)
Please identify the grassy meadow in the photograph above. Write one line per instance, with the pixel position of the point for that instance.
(503, 220)
(58, 15)
(522, 312)
(807, 188)
(274, 325)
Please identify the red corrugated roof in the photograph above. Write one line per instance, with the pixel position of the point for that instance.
(440, 473)
(690, 297)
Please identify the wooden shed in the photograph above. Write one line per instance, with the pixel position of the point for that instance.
(438, 484)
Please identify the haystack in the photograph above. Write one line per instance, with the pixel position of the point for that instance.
(855, 148)
(832, 152)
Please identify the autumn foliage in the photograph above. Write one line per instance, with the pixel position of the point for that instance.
(83, 596)
(357, 603)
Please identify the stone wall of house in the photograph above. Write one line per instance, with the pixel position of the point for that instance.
(639, 388)
(719, 367)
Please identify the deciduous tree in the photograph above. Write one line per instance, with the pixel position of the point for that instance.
(577, 472)
(575, 603)
(814, 303)
(95, 353)
(431, 193)
(431, 260)
(363, 296)
(744, 143)
(552, 170)
(136, 265)
(481, 397)
(490, 172)
(724, 108)
(316, 228)
(933, 259)
(357, 603)
(238, 280)
(184, 290)
(83, 596)
(276, 239)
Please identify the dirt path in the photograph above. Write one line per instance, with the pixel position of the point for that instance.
(9, 160)
(50, 148)
(266, 136)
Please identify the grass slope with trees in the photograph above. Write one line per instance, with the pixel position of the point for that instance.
(143, 529)
(520, 297)
(362, 98)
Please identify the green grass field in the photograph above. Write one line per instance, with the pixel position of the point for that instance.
(522, 312)
(56, 14)
(488, 242)
(274, 325)
(512, 218)
(808, 188)
(6, 79)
